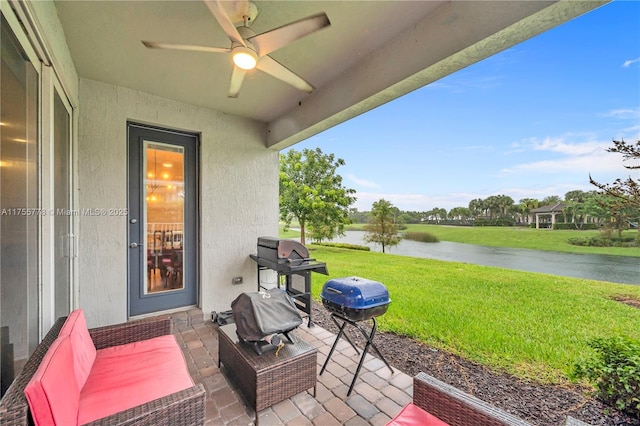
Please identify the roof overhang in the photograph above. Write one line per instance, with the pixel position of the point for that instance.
(373, 52)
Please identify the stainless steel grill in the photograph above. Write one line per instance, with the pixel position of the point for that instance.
(291, 261)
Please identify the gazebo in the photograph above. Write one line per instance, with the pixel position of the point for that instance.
(545, 211)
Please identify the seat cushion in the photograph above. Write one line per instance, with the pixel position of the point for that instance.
(52, 392)
(84, 351)
(412, 415)
(126, 376)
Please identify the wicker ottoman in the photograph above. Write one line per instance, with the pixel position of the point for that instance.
(266, 379)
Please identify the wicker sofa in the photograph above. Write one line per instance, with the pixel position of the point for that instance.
(450, 405)
(185, 407)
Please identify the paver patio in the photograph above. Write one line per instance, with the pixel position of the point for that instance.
(377, 396)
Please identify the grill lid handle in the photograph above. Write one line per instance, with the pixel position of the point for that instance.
(333, 290)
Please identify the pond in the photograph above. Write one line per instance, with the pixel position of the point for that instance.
(618, 269)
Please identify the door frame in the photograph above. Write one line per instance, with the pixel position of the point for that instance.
(192, 206)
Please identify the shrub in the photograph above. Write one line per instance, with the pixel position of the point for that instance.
(345, 246)
(600, 241)
(615, 372)
(424, 237)
(573, 226)
(501, 221)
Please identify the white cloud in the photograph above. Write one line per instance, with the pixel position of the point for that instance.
(540, 192)
(603, 162)
(628, 62)
(416, 202)
(362, 182)
(560, 145)
(625, 114)
(580, 157)
(402, 201)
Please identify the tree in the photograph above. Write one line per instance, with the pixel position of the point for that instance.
(550, 200)
(358, 217)
(624, 202)
(459, 213)
(576, 205)
(476, 207)
(526, 205)
(504, 202)
(439, 214)
(382, 227)
(312, 193)
(492, 205)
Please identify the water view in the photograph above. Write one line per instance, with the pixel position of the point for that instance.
(618, 269)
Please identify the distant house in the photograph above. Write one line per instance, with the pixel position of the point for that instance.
(546, 215)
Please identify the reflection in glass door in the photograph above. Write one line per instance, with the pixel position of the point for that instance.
(19, 190)
(164, 216)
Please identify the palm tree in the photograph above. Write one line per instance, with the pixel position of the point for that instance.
(526, 205)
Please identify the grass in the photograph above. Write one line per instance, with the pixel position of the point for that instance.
(288, 233)
(535, 326)
(516, 237)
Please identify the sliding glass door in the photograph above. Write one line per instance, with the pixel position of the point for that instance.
(19, 219)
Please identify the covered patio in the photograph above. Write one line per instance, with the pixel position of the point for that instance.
(81, 89)
(377, 396)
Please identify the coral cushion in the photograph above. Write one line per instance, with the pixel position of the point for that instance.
(125, 376)
(84, 351)
(412, 415)
(52, 392)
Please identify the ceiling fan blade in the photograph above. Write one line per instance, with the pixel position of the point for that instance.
(236, 82)
(279, 71)
(225, 22)
(162, 45)
(270, 41)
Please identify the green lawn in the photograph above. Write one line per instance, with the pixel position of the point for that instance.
(288, 234)
(537, 239)
(535, 326)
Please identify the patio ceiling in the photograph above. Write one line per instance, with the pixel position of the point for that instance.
(373, 52)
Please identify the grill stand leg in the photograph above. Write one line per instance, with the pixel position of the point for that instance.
(346, 337)
(373, 345)
(340, 333)
(368, 337)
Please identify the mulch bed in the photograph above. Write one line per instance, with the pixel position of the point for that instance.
(628, 300)
(538, 404)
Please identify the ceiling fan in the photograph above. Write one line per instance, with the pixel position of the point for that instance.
(250, 50)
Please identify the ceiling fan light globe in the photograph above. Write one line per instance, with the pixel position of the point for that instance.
(245, 58)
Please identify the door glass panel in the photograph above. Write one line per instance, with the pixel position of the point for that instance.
(18, 203)
(164, 216)
(62, 202)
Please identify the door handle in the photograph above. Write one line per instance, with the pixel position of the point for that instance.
(133, 245)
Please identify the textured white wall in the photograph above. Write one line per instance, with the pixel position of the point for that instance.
(238, 195)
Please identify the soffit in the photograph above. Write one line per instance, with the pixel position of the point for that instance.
(373, 52)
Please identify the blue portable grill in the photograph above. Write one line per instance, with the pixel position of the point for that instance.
(352, 300)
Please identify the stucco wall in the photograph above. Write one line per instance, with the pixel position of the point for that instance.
(238, 201)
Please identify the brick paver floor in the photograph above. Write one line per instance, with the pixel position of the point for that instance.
(378, 394)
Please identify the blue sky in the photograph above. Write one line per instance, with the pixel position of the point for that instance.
(529, 122)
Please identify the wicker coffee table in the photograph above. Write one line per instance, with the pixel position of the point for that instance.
(266, 379)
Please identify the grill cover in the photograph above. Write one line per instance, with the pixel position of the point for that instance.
(264, 313)
(355, 298)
